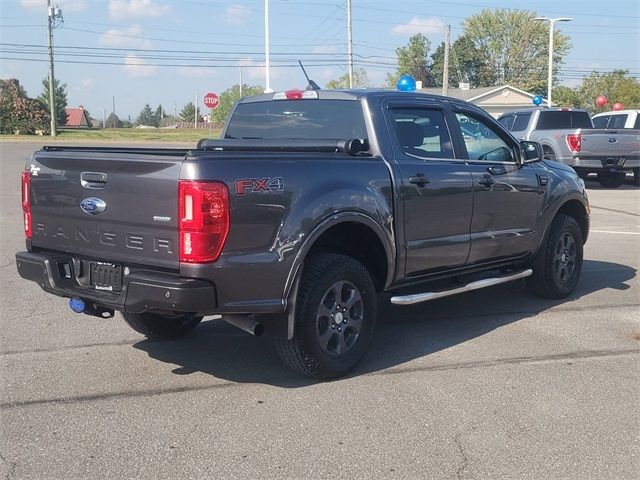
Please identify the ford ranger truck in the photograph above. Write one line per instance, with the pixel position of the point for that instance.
(310, 204)
(567, 136)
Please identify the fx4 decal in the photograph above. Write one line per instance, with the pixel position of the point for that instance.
(259, 185)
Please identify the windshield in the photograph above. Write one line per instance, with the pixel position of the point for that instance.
(298, 119)
(555, 120)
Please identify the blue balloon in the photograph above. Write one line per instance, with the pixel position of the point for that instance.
(406, 83)
(537, 100)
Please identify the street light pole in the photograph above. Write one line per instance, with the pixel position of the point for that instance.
(266, 47)
(552, 22)
(52, 85)
(350, 43)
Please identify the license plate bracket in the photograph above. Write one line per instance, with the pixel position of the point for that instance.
(106, 276)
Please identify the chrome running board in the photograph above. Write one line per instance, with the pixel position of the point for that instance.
(487, 282)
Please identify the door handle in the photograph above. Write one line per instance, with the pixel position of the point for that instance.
(93, 179)
(419, 180)
(487, 181)
(497, 170)
(543, 179)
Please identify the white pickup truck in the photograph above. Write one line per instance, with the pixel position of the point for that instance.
(617, 119)
(568, 136)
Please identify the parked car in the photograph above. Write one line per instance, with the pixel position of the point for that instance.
(567, 136)
(311, 204)
(617, 119)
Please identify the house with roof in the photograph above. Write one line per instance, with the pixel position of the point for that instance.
(495, 100)
(78, 118)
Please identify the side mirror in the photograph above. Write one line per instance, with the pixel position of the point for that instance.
(531, 151)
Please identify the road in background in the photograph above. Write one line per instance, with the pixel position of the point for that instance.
(490, 384)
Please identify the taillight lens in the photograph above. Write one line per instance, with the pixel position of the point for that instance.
(575, 142)
(204, 220)
(26, 203)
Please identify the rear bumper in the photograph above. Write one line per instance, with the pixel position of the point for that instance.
(142, 290)
(614, 164)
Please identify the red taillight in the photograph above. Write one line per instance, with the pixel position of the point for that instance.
(294, 94)
(26, 203)
(574, 141)
(203, 209)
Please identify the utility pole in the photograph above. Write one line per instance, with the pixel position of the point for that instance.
(552, 22)
(350, 42)
(52, 96)
(445, 69)
(240, 81)
(266, 47)
(113, 104)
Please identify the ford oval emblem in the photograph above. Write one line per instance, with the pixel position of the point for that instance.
(612, 140)
(93, 205)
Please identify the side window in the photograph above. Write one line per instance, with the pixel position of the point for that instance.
(637, 124)
(618, 121)
(506, 121)
(522, 120)
(482, 141)
(422, 132)
(601, 122)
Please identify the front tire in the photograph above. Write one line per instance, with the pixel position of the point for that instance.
(557, 266)
(334, 319)
(636, 177)
(153, 325)
(611, 180)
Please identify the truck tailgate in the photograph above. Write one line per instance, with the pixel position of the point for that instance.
(605, 144)
(114, 205)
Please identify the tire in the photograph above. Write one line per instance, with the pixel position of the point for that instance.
(557, 266)
(636, 177)
(153, 325)
(335, 317)
(611, 180)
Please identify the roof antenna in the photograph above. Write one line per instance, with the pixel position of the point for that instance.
(312, 85)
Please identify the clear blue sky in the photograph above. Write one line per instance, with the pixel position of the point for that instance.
(163, 51)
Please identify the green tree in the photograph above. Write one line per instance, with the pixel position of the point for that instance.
(360, 80)
(146, 116)
(467, 63)
(18, 112)
(516, 46)
(188, 112)
(228, 98)
(564, 96)
(60, 94)
(158, 116)
(617, 86)
(413, 60)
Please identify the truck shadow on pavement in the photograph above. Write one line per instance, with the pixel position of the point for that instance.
(402, 334)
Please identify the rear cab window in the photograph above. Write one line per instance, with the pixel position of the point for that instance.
(561, 119)
(314, 119)
(618, 121)
(637, 124)
(601, 122)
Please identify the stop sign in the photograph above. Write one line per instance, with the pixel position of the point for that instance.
(211, 100)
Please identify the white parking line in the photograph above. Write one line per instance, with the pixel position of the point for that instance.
(613, 231)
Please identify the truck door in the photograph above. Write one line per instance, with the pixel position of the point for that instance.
(506, 195)
(436, 189)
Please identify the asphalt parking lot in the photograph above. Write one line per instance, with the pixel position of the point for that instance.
(491, 384)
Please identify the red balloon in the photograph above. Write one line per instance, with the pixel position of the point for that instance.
(618, 106)
(601, 101)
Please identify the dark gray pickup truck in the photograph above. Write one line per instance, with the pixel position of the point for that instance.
(310, 204)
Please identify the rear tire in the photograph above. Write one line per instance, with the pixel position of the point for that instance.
(611, 180)
(557, 266)
(636, 177)
(153, 325)
(334, 320)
